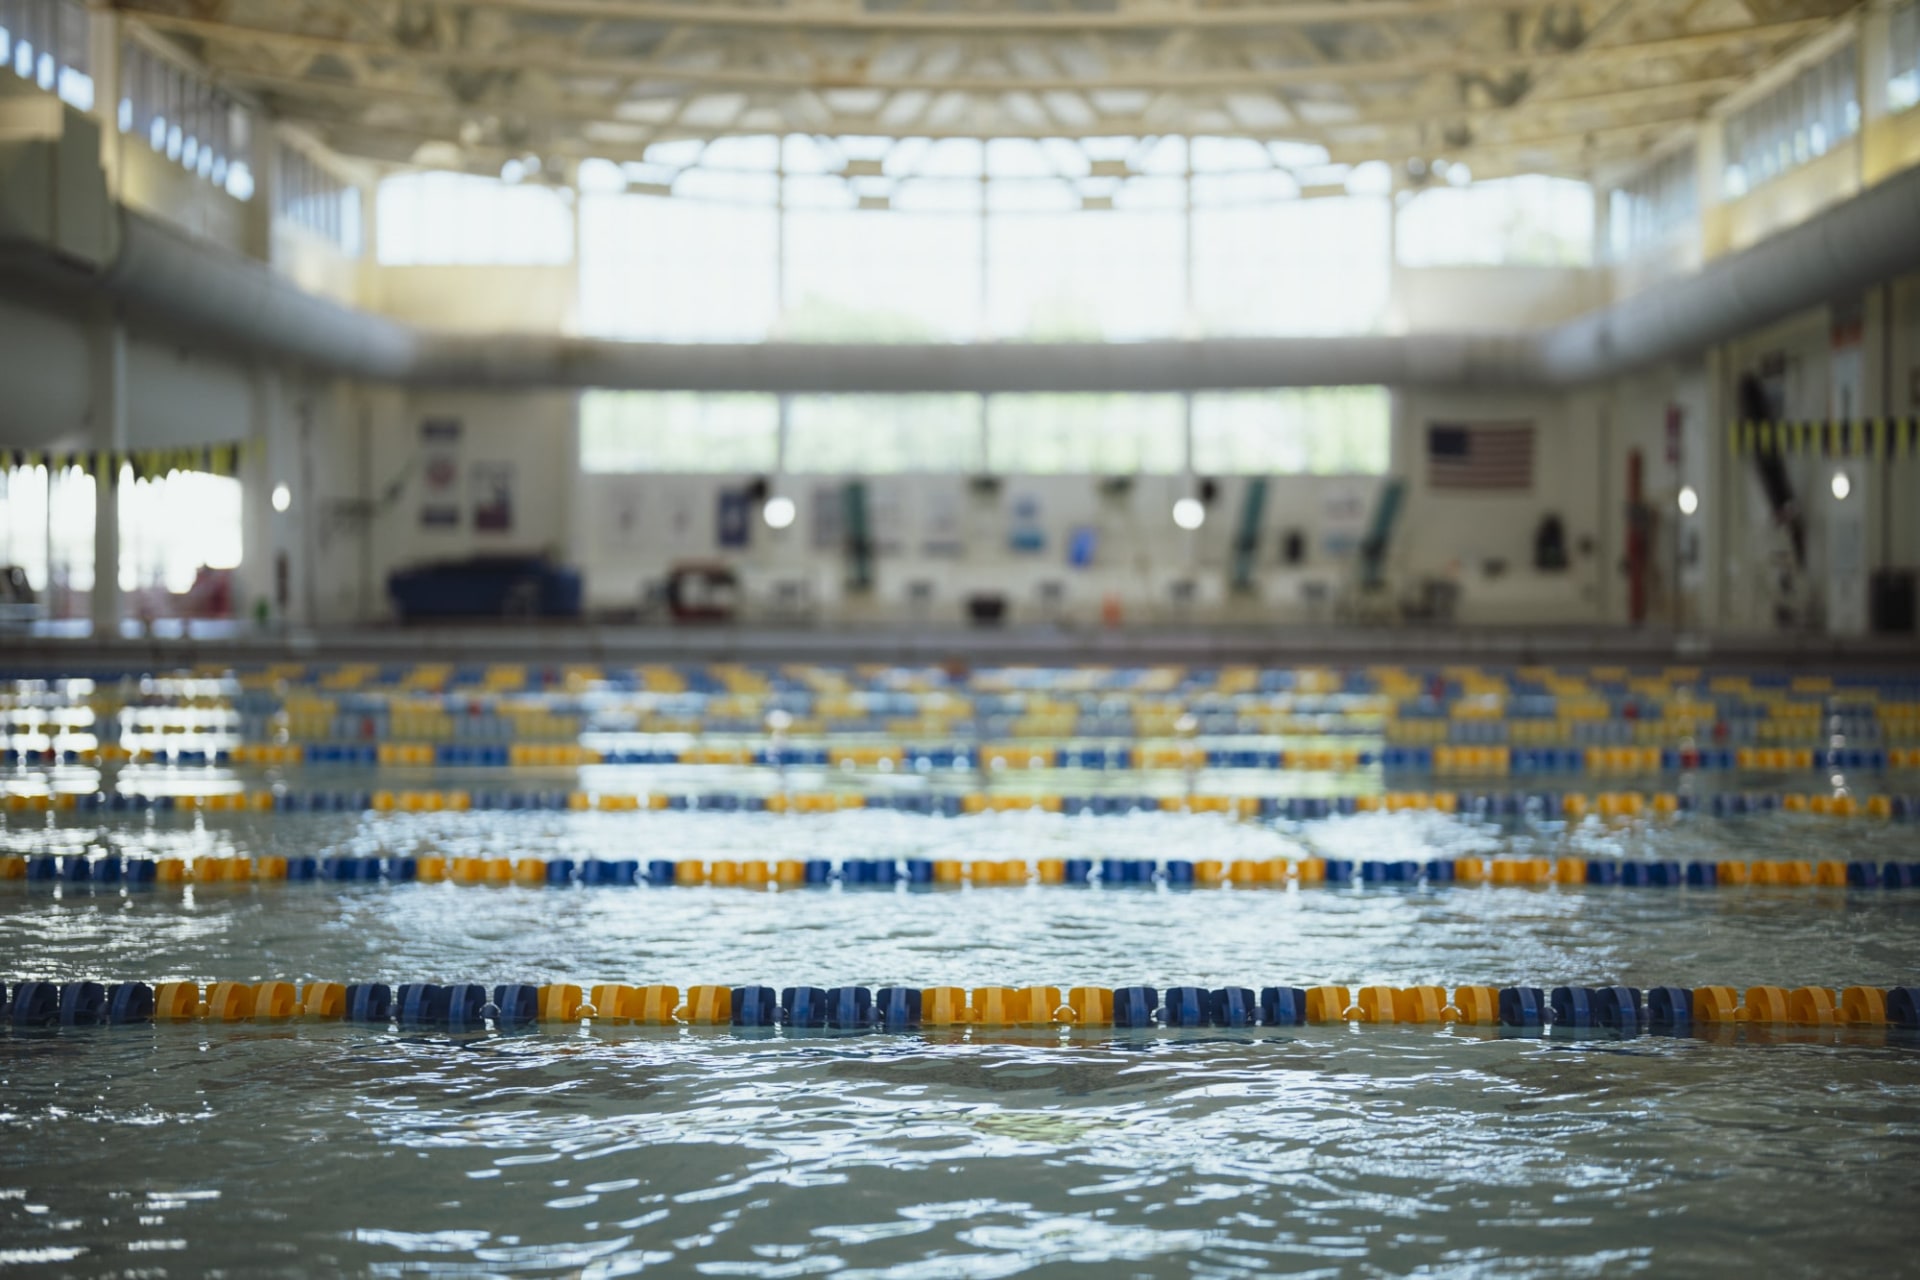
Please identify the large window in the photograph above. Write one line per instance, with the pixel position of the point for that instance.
(846, 239)
(46, 41)
(1531, 220)
(46, 529)
(1654, 205)
(660, 269)
(185, 119)
(1302, 268)
(1103, 434)
(872, 276)
(870, 434)
(175, 525)
(1304, 430)
(1903, 43)
(1073, 275)
(457, 219)
(1801, 120)
(678, 431)
(1293, 431)
(312, 198)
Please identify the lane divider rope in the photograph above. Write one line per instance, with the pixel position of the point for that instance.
(1440, 761)
(1173, 873)
(1618, 1009)
(1443, 760)
(1482, 805)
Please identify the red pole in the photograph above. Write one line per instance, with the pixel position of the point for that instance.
(1637, 520)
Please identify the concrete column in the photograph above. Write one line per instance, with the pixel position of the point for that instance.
(109, 434)
(1186, 432)
(1875, 50)
(1710, 185)
(983, 296)
(104, 52)
(1873, 70)
(1603, 228)
(1189, 300)
(780, 240)
(254, 581)
(263, 158)
(782, 428)
(366, 290)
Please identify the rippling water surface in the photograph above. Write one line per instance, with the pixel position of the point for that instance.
(317, 1149)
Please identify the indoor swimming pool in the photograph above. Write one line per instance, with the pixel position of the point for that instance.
(1014, 1124)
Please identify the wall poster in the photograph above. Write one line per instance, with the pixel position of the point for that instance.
(733, 519)
(492, 497)
(440, 473)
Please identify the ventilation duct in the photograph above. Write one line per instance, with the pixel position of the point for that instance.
(172, 281)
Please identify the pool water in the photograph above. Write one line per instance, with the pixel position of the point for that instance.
(314, 1149)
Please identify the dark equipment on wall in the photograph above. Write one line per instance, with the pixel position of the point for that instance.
(1293, 547)
(1373, 547)
(1550, 544)
(987, 609)
(1756, 406)
(859, 537)
(1891, 601)
(1246, 543)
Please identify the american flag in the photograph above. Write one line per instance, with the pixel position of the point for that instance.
(1492, 456)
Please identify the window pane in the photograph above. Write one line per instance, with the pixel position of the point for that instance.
(172, 526)
(1303, 430)
(1903, 81)
(1081, 276)
(882, 276)
(1815, 111)
(1307, 267)
(666, 270)
(677, 431)
(1109, 434)
(1654, 205)
(1531, 220)
(873, 434)
(447, 219)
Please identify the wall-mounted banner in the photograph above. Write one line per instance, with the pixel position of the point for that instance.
(146, 464)
(733, 520)
(1867, 437)
(492, 484)
(440, 473)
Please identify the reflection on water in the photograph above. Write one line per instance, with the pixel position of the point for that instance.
(325, 1150)
(311, 1149)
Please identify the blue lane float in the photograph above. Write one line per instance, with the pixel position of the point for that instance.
(1522, 1007)
(1670, 1007)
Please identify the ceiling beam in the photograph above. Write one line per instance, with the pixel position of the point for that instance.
(444, 114)
(1166, 14)
(1143, 77)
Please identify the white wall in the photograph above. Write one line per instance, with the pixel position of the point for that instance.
(1492, 299)
(533, 435)
(478, 299)
(177, 394)
(45, 367)
(957, 540)
(1454, 535)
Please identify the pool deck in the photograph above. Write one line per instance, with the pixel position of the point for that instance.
(1050, 645)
